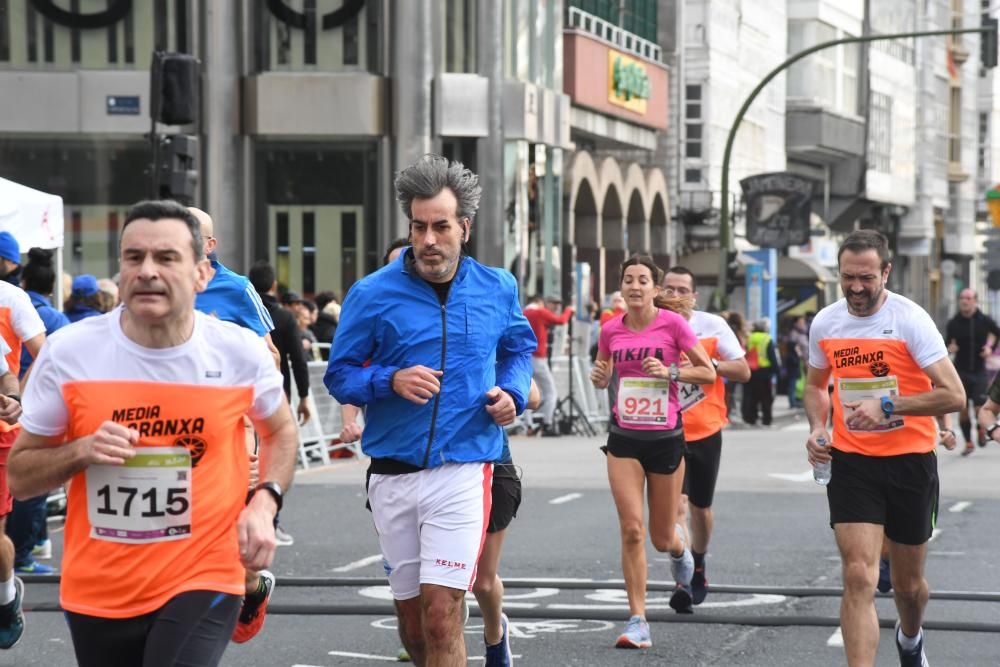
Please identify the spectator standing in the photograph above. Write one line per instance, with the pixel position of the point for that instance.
(84, 299)
(286, 336)
(10, 259)
(542, 320)
(758, 395)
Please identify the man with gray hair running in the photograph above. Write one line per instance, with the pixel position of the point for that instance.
(450, 365)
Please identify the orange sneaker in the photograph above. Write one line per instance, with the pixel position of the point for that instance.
(253, 613)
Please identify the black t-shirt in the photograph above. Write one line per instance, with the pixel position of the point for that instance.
(970, 334)
(441, 289)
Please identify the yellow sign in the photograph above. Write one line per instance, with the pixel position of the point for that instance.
(628, 83)
(993, 204)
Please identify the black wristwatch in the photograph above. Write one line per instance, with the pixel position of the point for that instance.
(16, 397)
(274, 489)
(990, 430)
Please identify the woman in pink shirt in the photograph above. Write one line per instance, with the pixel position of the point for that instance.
(638, 355)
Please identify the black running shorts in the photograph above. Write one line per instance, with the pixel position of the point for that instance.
(192, 628)
(506, 496)
(975, 384)
(702, 469)
(661, 456)
(898, 492)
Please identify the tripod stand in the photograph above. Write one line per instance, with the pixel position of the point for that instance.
(570, 417)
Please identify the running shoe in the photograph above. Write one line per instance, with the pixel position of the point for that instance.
(681, 600)
(254, 610)
(699, 585)
(42, 550)
(884, 576)
(912, 658)
(282, 538)
(682, 567)
(12, 618)
(34, 567)
(968, 449)
(499, 655)
(636, 634)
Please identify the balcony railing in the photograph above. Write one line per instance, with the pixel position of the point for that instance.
(612, 34)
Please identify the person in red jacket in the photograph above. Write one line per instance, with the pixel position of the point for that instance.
(541, 318)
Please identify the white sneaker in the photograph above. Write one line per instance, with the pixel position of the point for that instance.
(42, 550)
(283, 538)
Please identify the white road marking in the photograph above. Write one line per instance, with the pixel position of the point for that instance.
(619, 601)
(960, 506)
(565, 499)
(364, 656)
(793, 477)
(934, 535)
(358, 564)
(836, 639)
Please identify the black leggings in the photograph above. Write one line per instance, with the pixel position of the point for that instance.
(191, 630)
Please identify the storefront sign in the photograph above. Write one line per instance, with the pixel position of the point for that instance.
(629, 85)
(778, 209)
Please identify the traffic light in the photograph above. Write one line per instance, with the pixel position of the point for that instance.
(732, 267)
(178, 177)
(174, 88)
(988, 44)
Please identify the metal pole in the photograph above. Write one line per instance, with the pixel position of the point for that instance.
(725, 233)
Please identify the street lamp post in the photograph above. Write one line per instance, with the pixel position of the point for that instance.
(725, 232)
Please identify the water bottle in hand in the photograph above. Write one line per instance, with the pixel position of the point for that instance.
(822, 471)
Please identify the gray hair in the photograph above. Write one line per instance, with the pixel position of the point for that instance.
(431, 174)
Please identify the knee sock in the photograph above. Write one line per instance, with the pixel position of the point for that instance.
(699, 559)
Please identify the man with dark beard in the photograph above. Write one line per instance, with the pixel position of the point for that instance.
(891, 377)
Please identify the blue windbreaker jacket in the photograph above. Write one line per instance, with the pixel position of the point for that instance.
(479, 338)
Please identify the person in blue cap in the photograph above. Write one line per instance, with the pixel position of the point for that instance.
(10, 259)
(84, 299)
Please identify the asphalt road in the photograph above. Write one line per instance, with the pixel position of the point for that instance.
(771, 531)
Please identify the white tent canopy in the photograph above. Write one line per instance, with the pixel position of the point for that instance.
(36, 220)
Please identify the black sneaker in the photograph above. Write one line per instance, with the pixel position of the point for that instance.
(914, 657)
(12, 618)
(968, 449)
(681, 600)
(699, 585)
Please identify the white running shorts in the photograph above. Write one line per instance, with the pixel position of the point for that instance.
(431, 525)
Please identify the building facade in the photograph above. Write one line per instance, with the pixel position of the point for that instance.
(308, 108)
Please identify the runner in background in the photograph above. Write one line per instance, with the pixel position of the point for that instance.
(231, 298)
(638, 356)
(21, 328)
(143, 408)
(971, 336)
(27, 526)
(704, 414)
